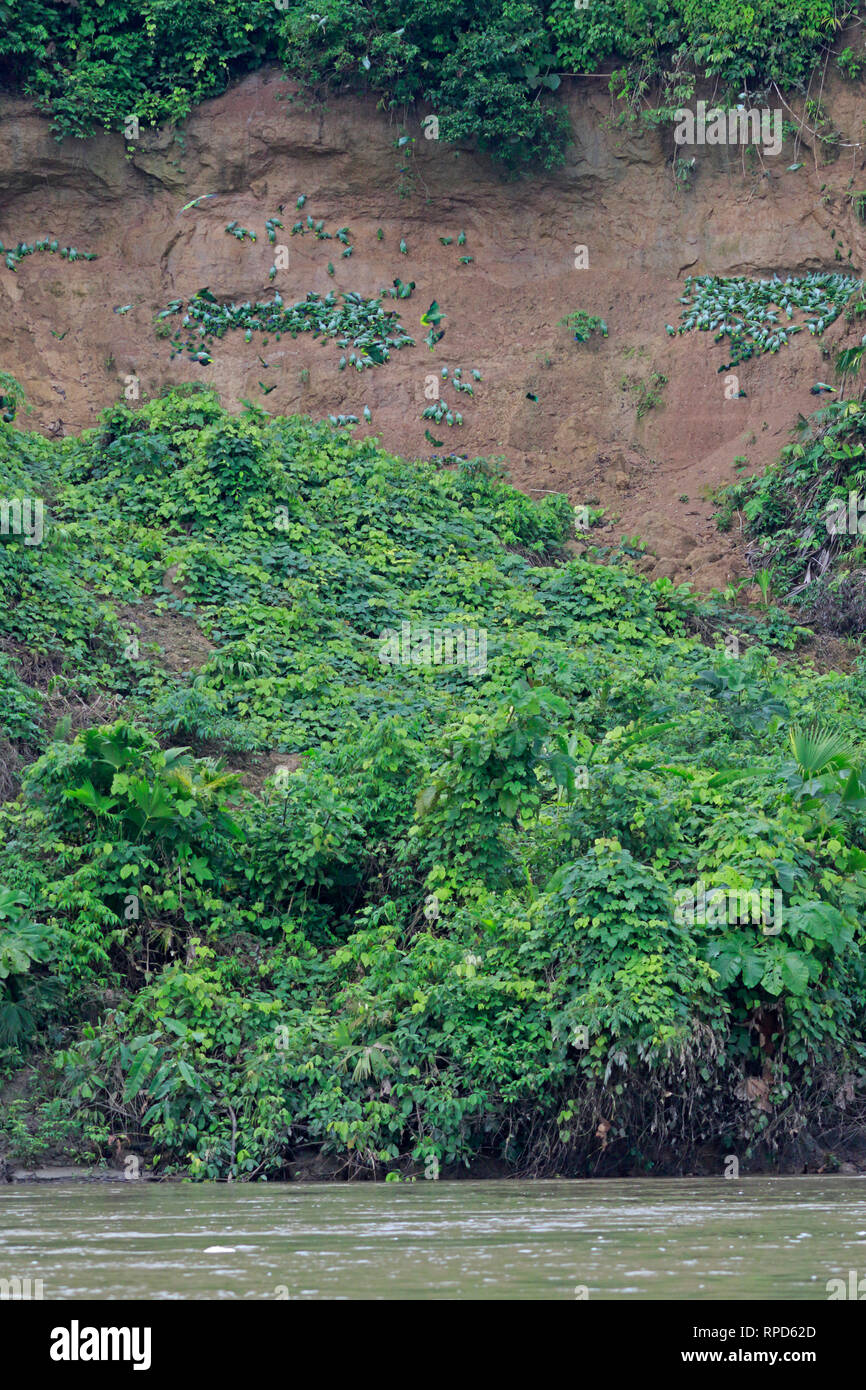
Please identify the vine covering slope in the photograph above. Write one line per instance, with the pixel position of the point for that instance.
(592, 902)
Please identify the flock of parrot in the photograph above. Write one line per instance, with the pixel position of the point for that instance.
(440, 410)
(14, 255)
(361, 326)
(749, 312)
(355, 322)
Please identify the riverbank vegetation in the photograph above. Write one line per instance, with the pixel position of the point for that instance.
(281, 874)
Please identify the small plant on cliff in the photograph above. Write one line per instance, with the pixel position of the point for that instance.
(583, 325)
(650, 393)
(12, 397)
(849, 64)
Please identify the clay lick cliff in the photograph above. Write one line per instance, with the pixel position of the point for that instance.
(639, 422)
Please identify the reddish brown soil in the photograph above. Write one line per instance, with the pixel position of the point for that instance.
(616, 195)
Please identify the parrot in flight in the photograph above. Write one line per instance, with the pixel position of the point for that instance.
(195, 201)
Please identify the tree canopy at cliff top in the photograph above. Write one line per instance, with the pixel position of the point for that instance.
(490, 71)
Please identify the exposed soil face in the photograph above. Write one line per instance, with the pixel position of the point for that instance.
(563, 415)
(176, 642)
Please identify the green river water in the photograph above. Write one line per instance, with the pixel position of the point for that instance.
(692, 1239)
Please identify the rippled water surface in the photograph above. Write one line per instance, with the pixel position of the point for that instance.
(764, 1238)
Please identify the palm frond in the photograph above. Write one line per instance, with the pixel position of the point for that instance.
(816, 748)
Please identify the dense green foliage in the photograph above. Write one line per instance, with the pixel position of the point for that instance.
(451, 927)
(583, 325)
(805, 517)
(488, 71)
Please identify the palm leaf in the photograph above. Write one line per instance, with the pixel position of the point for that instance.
(816, 748)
